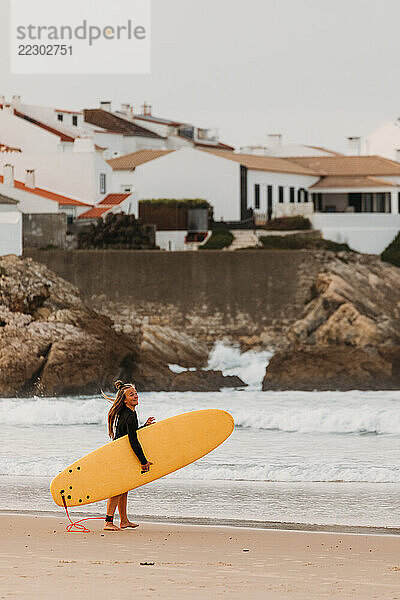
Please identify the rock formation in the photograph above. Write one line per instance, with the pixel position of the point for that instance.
(51, 343)
(349, 333)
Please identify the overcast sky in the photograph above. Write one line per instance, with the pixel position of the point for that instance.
(314, 70)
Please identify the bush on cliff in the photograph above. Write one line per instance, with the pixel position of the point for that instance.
(391, 254)
(288, 224)
(301, 242)
(220, 238)
(117, 231)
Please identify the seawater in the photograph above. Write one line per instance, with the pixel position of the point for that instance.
(315, 458)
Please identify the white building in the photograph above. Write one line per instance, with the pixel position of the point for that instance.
(350, 199)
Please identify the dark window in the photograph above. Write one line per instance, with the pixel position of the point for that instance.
(74, 120)
(305, 196)
(300, 195)
(102, 183)
(355, 201)
(368, 203)
(280, 194)
(269, 201)
(243, 192)
(292, 192)
(398, 202)
(256, 195)
(60, 117)
(381, 202)
(317, 201)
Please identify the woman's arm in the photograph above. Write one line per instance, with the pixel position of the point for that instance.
(134, 442)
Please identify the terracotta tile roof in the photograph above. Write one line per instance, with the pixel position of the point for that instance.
(113, 199)
(322, 149)
(62, 200)
(263, 163)
(68, 112)
(95, 212)
(5, 148)
(351, 181)
(134, 159)
(349, 165)
(63, 136)
(107, 120)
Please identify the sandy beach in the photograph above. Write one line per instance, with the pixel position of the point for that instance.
(39, 559)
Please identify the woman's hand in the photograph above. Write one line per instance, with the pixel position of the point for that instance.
(150, 421)
(146, 467)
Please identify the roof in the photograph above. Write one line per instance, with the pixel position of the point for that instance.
(349, 165)
(113, 199)
(7, 200)
(134, 159)
(5, 148)
(95, 212)
(62, 200)
(69, 112)
(63, 136)
(322, 149)
(263, 163)
(107, 120)
(152, 119)
(351, 181)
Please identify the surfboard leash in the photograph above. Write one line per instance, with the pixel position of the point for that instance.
(75, 526)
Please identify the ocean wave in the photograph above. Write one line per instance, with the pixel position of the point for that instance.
(249, 366)
(356, 413)
(45, 467)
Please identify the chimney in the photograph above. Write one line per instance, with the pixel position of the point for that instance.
(30, 178)
(274, 140)
(2, 101)
(83, 144)
(15, 100)
(8, 175)
(126, 109)
(397, 154)
(105, 105)
(354, 145)
(147, 109)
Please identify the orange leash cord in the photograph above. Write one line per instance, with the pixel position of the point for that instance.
(76, 524)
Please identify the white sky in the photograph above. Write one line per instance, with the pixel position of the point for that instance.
(314, 70)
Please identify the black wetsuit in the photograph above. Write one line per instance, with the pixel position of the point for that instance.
(128, 424)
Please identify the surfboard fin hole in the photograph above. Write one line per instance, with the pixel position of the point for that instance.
(80, 499)
(69, 497)
(78, 468)
(70, 487)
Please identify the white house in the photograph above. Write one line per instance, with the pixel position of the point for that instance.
(34, 199)
(350, 199)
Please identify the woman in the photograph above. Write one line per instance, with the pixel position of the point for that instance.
(122, 420)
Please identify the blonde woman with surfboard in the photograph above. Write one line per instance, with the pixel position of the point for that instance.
(122, 420)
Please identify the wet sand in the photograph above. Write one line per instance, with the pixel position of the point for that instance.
(39, 559)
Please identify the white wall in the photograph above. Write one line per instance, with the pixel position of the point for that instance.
(10, 233)
(171, 240)
(384, 141)
(18, 133)
(287, 180)
(190, 173)
(29, 203)
(369, 233)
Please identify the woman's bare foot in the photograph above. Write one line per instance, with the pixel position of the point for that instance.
(125, 524)
(111, 527)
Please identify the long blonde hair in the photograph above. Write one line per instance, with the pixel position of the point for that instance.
(117, 405)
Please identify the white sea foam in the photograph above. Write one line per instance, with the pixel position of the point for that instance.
(249, 366)
(294, 412)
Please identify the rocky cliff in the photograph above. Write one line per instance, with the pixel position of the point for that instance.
(52, 343)
(349, 333)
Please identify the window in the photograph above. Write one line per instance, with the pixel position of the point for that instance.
(269, 201)
(281, 194)
(102, 183)
(75, 120)
(381, 202)
(126, 189)
(291, 191)
(60, 117)
(368, 203)
(257, 196)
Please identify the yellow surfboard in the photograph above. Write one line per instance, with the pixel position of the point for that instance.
(114, 468)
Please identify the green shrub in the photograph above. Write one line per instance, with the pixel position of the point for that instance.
(117, 231)
(391, 254)
(183, 202)
(288, 223)
(220, 238)
(301, 242)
